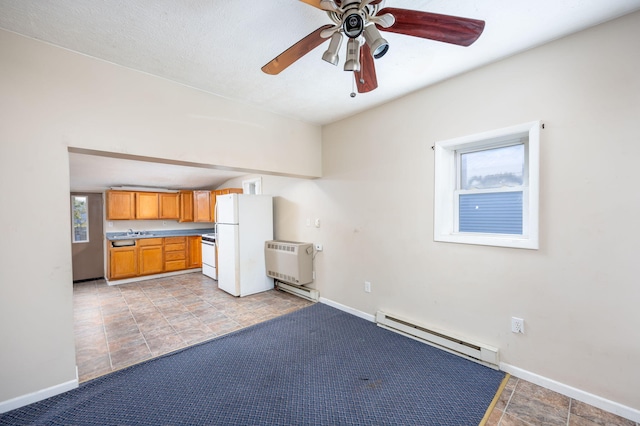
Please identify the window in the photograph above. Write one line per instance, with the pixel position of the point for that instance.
(80, 218)
(252, 186)
(486, 188)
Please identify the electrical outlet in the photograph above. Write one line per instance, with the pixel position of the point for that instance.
(367, 287)
(318, 247)
(317, 223)
(517, 325)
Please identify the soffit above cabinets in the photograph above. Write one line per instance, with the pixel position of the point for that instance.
(95, 173)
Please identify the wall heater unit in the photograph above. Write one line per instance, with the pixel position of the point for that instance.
(477, 352)
(290, 263)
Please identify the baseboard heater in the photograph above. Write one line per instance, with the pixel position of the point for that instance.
(480, 353)
(304, 292)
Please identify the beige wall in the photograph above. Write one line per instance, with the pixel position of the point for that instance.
(579, 293)
(52, 99)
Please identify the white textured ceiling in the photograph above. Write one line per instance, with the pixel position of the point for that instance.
(219, 46)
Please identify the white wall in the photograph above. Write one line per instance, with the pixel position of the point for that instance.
(579, 292)
(52, 99)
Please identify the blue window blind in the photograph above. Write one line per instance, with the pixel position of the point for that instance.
(494, 212)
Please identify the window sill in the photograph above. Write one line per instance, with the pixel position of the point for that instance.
(512, 241)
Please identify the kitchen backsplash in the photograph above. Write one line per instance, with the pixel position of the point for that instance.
(152, 225)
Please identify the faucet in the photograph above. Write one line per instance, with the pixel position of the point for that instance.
(130, 232)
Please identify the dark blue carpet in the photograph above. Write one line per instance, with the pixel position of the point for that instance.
(316, 366)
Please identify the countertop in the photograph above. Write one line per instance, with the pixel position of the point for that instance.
(114, 236)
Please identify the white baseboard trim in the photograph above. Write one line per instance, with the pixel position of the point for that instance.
(30, 398)
(348, 309)
(580, 395)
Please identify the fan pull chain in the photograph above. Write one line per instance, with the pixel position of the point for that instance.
(353, 86)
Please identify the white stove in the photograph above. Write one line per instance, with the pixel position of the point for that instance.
(209, 256)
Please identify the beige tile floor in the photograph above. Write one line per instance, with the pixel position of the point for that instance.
(523, 404)
(117, 326)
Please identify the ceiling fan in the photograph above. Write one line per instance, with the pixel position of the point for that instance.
(360, 21)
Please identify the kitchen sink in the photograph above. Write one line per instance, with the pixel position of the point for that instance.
(133, 236)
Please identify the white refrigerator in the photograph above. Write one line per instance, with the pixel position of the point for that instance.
(243, 222)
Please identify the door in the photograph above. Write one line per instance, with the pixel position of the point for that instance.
(202, 206)
(123, 262)
(228, 262)
(87, 248)
(208, 261)
(150, 256)
(147, 205)
(227, 206)
(194, 252)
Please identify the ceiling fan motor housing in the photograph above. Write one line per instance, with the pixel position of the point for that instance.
(353, 21)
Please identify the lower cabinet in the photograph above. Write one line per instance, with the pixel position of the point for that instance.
(175, 253)
(194, 252)
(154, 256)
(123, 262)
(150, 256)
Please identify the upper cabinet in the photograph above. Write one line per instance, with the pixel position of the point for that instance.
(169, 206)
(202, 206)
(157, 205)
(120, 205)
(147, 205)
(185, 206)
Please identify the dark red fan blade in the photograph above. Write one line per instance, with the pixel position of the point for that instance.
(445, 28)
(366, 78)
(295, 52)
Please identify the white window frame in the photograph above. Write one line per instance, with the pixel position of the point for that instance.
(73, 225)
(252, 186)
(446, 186)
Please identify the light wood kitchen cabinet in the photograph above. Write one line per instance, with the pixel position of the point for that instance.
(150, 256)
(202, 206)
(217, 192)
(169, 206)
(123, 262)
(154, 256)
(175, 253)
(186, 206)
(120, 205)
(194, 252)
(147, 205)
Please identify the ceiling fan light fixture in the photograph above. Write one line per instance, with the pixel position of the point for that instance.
(378, 45)
(353, 55)
(331, 54)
